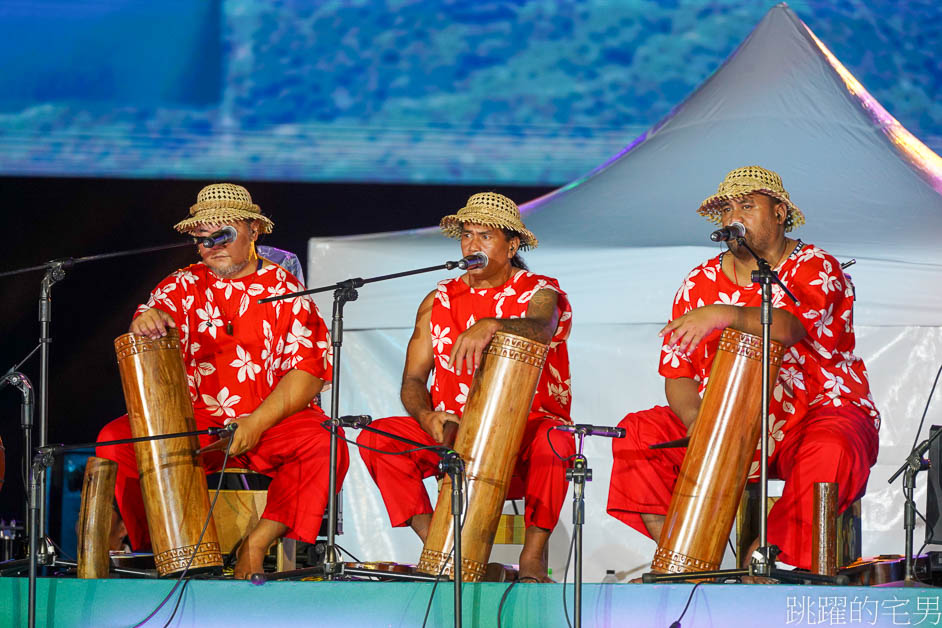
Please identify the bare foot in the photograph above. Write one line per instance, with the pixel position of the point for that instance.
(532, 570)
(250, 560)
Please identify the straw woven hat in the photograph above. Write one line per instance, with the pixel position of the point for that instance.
(221, 203)
(493, 210)
(743, 181)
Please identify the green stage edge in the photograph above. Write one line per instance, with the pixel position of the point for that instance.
(64, 603)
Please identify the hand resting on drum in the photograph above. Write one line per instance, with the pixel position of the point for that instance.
(470, 345)
(434, 423)
(153, 323)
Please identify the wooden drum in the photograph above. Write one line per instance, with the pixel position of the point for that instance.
(173, 483)
(488, 440)
(722, 446)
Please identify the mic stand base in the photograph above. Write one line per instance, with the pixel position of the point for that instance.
(453, 465)
(782, 575)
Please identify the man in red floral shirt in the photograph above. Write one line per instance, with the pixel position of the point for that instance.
(257, 365)
(823, 423)
(454, 324)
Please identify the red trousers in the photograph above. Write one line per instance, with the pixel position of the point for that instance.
(829, 445)
(539, 477)
(295, 453)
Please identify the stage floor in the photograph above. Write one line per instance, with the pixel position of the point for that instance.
(64, 603)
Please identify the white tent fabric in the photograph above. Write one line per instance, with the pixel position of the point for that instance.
(620, 239)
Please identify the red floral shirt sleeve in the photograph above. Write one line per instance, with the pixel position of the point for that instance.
(674, 364)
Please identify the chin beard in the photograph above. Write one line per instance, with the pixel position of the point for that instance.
(231, 270)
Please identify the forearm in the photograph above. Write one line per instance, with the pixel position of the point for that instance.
(292, 394)
(683, 397)
(415, 397)
(538, 330)
(786, 329)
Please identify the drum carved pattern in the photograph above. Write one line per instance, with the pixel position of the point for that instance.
(131, 344)
(667, 561)
(432, 561)
(518, 348)
(175, 559)
(749, 346)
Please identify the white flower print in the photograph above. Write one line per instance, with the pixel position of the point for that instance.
(186, 277)
(440, 338)
(672, 356)
(442, 296)
(823, 319)
(462, 396)
(710, 272)
(826, 280)
(210, 319)
(686, 287)
(202, 369)
(834, 386)
(792, 378)
(328, 350)
(846, 364)
(729, 299)
(809, 252)
(222, 405)
(247, 368)
(297, 338)
(255, 289)
(559, 392)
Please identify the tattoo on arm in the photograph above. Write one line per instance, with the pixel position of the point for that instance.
(542, 317)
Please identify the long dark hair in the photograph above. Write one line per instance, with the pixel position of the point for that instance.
(517, 259)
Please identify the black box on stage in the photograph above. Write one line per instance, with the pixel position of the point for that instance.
(934, 491)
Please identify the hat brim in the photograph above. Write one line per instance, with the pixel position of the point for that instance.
(451, 226)
(710, 208)
(219, 216)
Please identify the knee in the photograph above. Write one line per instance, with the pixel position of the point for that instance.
(115, 430)
(553, 444)
(118, 429)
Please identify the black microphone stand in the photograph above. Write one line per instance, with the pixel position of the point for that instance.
(763, 559)
(55, 272)
(345, 291)
(913, 465)
(451, 463)
(579, 474)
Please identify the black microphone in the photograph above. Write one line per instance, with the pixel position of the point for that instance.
(732, 232)
(355, 421)
(224, 236)
(223, 432)
(593, 430)
(475, 260)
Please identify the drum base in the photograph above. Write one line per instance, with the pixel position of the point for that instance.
(434, 563)
(173, 561)
(666, 561)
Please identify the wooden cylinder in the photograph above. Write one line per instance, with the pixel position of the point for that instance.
(824, 529)
(95, 517)
(488, 441)
(715, 467)
(173, 483)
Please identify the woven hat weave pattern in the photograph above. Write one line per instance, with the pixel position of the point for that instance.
(748, 180)
(492, 210)
(221, 203)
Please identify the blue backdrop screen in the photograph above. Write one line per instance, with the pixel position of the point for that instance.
(526, 92)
